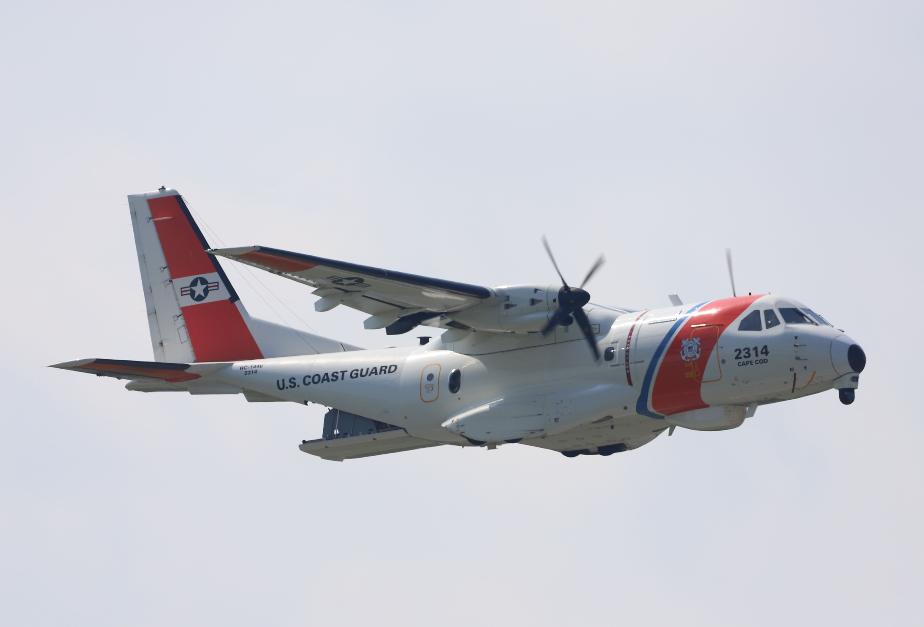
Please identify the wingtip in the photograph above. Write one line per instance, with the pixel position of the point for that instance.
(72, 365)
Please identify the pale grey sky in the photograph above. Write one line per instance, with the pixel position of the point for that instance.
(444, 139)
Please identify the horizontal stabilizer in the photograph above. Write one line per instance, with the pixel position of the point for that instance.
(125, 369)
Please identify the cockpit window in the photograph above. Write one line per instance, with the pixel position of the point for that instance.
(819, 318)
(771, 319)
(751, 322)
(791, 315)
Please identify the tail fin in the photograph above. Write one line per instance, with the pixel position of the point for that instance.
(194, 313)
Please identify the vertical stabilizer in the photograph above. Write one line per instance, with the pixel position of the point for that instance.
(193, 311)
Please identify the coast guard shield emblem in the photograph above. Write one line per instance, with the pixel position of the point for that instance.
(690, 349)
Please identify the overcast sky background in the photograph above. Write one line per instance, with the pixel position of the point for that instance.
(444, 139)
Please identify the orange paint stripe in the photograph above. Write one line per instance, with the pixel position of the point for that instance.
(171, 376)
(277, 262)
(182, 248)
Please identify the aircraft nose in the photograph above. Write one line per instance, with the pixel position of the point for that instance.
(847, 356)
(856, 358)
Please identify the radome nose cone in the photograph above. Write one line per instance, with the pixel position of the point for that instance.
(856, 358)
(847, 356)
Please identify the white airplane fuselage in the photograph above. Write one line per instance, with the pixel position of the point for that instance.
(686, 365)
(537, 364)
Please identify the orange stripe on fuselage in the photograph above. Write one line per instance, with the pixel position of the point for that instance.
(678, 385)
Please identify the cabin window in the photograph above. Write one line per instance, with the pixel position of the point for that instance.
(455, 381)
(791, 315)
(751, 322)
(609, 353)
(770, 319)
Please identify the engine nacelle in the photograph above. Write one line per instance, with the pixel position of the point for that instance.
(513, 309)
(716, 418)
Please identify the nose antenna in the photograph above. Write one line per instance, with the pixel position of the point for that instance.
(731, 271)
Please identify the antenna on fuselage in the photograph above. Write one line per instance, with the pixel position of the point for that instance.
(731, 272)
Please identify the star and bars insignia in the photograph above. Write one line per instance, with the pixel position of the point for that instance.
(199, 288)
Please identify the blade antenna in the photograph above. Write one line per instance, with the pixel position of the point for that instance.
(731, 272)
(548, 249)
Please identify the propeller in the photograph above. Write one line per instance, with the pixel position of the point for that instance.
(571, 301)
(731, 272)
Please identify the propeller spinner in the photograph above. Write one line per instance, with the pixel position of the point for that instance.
(571, 301)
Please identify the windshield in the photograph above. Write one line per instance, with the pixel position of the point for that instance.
(819, 318)
(792, 315)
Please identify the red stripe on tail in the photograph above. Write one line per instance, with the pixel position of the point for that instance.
(217, 329)
(184, 251)
(218, 332)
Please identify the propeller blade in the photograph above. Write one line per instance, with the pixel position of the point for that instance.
(584, 324)
(548, 249)
(593, 269)
(731, 272)
(556, 319)
(571, 302)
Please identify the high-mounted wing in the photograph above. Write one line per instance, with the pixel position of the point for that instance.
(396, 301)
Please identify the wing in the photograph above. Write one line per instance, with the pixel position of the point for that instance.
(604, 437)
(396, 301)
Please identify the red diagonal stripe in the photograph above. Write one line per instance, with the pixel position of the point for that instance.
(276, 262)
(218, 332)
(182, 248)
(674, 389)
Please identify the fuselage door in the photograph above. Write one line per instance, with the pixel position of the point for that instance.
(706, 339)
(430, 383)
